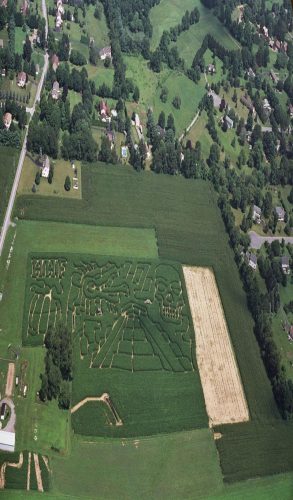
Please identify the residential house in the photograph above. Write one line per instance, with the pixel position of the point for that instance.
(24, 8)
(114, 113)
(256, 214)
(229, 122)
(58, 22)
(105, 112)
(252, 260)
(46, 167)
(21, 79)
(265, 32)
(266, 129)
(280, 213)
(247, 102)
(124, 151)
(267, 106)
(55, 92)
(251, 73)
(4, 3)
(274, 76)
(55, 61)
(105, 52)
(3, 72)
(285, 264)
(211, 69)
(7, 119)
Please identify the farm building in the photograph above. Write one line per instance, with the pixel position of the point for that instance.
(285, 264)
(7, 441)
(105, 52)
(7, 119)
(280, 213)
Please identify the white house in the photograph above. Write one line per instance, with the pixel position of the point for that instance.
(46, 167)
(285, 264)
(229, 122)
(252, 260)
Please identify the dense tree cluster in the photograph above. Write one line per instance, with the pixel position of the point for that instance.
(58, 366)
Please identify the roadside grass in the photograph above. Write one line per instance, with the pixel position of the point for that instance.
(181, 465)
(112, 194)
(8, 165)
(150, 85)
(62, 168)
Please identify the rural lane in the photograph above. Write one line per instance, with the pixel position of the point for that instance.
(256, 241)
(9, 209)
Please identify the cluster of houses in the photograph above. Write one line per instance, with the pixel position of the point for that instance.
(59, 14)
(274, 43)
(257, 213)
(106, 113)
(251, 259)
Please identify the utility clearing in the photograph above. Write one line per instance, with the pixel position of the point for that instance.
(223, 392)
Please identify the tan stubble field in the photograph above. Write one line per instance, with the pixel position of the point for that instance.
(222, 387)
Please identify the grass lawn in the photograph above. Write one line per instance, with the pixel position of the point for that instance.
(10, 86)
(168, 13)
(62, 168)
(181, 465)
(39, 426)
(200, 133)
(74, 98)
(100, 74)
(19, 40)
(150, 85)
(8, 164)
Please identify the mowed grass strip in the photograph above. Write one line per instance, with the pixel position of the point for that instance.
(8, 164)
(189, 230)
(183, 465)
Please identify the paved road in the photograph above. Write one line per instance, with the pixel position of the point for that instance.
(10, 426)
(257, 241)
(9, 209)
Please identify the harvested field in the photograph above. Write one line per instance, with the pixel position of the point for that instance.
(220, 378)
(10, 380)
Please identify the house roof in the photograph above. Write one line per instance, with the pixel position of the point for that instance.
(56, 86)
(21, 75)
(280, 211)
(229, 120)
(7, 440)
(253, 258)
(7, 116)
(285, 260)
(105, 51)
(257, 209)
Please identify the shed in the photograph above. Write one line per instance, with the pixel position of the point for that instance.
(7, 441)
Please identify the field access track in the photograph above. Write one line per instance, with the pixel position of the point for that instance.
(220, 378)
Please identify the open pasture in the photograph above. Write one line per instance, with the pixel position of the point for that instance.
(131, 328)
(221, 383)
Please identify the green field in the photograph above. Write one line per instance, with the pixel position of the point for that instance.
(133, 338)
(16, 478)
(8, 164)
(150, 85)
(183, 465)
(189, 230)
(168, 13)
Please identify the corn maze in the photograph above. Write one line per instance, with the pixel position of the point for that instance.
(129, 315)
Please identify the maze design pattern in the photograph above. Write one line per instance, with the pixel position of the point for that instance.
(131, 315)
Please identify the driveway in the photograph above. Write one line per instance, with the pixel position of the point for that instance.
(10, 426)
(256, 241)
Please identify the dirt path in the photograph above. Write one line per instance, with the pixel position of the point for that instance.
(223, 392)
(38, 473)
(17, 465)
(10, 380)
(84, 401)
(28, 477)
